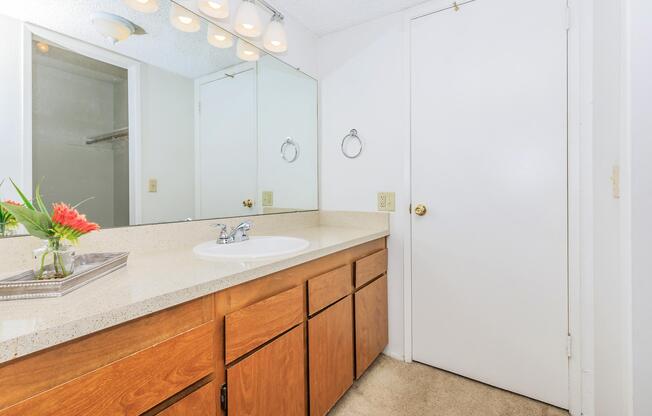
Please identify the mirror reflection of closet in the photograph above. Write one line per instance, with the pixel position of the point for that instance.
(80, 131)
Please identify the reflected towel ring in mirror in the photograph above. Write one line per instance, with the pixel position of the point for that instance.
(352, 145)
(290, 150)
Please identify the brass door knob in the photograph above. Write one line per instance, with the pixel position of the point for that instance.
(420, 210)
(247, 203)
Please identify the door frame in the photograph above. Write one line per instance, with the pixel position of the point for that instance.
(579, 197)
(134, 103)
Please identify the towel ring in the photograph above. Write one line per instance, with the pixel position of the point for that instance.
(286, 153)
(353, 135)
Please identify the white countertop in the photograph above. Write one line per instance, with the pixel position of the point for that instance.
(152, 282)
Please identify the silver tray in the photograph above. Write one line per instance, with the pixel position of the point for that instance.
(88, 267)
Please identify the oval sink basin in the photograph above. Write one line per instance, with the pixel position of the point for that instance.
(253, 249)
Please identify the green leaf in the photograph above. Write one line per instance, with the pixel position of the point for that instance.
(39, 200)
(35, 222)
(85, 200)
(26, 201)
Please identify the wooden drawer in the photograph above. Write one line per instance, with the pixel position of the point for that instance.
(201, 402)
(251, 327)
(328, 288)
(272, 380)
(45, 370)
(133, 384)
(371, 335)
(370, 267)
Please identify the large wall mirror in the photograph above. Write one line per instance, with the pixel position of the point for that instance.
(164, 125)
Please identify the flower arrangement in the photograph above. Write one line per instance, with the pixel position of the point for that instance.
(63, 226)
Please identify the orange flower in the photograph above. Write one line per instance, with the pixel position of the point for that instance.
(67, 219)
(10, 202)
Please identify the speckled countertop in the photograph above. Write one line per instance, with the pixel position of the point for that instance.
(156, 280)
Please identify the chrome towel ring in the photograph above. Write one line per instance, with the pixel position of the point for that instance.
(352, 145)
(289, 150)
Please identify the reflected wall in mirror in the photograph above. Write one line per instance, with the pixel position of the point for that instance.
(157, 125)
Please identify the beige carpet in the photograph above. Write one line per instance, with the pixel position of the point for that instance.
(395, 388)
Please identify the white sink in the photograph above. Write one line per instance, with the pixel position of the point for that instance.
(253, 249)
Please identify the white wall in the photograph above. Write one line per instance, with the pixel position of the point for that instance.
(640, 103)
(362, 86)
(167, 145)
(287, 107)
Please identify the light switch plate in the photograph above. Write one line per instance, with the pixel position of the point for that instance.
(152, 185)
(386, 201)
(268, 198)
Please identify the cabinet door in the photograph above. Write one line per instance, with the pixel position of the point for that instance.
(370, 323)
(330, 343)
(272, 380)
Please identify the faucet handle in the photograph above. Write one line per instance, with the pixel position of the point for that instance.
(223, 233)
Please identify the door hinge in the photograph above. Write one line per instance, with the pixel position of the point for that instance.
(569, 346)
(223, 398)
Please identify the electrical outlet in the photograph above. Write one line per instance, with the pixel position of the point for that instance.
(386, 201)
(152, 185)
(268, 198)
(391, 201)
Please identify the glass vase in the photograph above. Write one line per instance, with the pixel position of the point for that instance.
(7, 229)
(54, 260)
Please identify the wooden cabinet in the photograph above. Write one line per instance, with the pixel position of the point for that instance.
(328, 288)
(371, 335)
(289, 343)
(330, 342)
(251, 327)
(272, 380)
(370, 267)
(201, 402)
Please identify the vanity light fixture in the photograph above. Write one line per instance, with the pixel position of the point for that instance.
(218, 9)
(113, 27)
(219, 37)
(144, 6)
(246, 51)
(247, 20)
(183, 19)
(275, 39)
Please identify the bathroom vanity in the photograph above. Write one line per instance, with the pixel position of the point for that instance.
(279, 337)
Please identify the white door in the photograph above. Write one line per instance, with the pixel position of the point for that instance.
(489, 292)
(228, 145)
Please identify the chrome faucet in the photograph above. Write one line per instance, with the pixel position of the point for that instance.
(239, 233)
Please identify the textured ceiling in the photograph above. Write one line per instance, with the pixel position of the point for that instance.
(187, 54)
(326, 16)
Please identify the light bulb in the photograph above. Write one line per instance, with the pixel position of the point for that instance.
(219, 37)
(218, 9)
(184, 20)
(275, 39)
(247, 20)
(42, 47)
(144, 6)
(246, 51)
